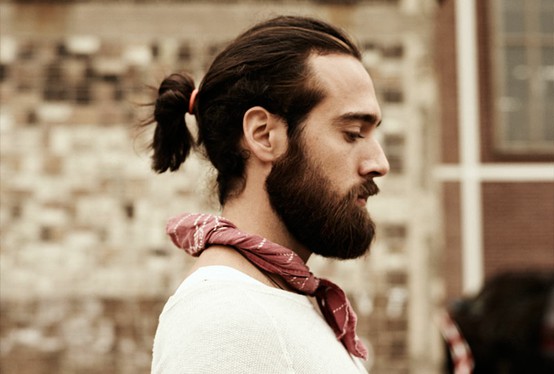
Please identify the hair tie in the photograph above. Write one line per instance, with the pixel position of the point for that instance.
(192, 100)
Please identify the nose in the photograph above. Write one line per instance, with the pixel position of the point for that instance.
(374, 163)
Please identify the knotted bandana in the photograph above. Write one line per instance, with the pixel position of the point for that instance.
(196, 232)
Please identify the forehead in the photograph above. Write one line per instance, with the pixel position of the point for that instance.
(346, 83)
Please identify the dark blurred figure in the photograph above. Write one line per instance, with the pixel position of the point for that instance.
(507, 328)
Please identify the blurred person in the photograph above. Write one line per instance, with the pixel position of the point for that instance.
(287, 115)
(508, 328)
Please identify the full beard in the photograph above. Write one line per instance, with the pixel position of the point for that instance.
(314, 214)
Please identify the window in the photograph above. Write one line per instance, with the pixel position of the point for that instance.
(394, 149)
(523, 64)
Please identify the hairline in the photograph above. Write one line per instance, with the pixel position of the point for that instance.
(313, 82)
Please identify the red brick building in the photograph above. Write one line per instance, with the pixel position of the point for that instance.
(495, 66)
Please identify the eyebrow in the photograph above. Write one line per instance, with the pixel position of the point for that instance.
(368, 118)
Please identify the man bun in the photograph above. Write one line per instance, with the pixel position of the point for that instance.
(172, 140)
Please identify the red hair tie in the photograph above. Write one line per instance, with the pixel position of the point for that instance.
(192, 100)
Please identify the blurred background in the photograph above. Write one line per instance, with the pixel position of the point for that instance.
(467, 93)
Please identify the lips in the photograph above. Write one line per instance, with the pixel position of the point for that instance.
(363, 197)
(362, 200)
(369, 188)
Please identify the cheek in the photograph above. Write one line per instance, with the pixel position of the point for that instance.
(339, 170)
(339, 160)
(334, 159)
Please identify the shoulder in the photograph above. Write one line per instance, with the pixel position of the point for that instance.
(215, 299)
(221, 296)
(222, 325)
(225, 256)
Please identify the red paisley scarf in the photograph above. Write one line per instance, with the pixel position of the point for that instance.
(196, 232)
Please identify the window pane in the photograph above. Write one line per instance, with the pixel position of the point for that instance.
(525, 86)
(515, 101)
(547, 17)
(394, 147)
(514, 16)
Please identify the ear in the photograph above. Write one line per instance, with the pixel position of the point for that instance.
(265, 134)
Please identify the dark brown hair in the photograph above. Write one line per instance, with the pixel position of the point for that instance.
(265, 66)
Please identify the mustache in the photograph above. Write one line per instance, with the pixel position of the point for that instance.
(367, 189)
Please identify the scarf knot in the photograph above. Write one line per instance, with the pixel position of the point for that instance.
(196, 232)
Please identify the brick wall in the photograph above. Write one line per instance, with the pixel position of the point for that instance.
(445, 62)
(518, 226)
(78, 335)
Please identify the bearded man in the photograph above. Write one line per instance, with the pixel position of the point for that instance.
(287, 116)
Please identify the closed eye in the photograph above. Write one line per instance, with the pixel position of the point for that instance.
(353, 136)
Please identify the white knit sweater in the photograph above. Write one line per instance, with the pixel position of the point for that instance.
(222, 321)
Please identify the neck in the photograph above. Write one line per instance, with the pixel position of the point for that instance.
(256, 216)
